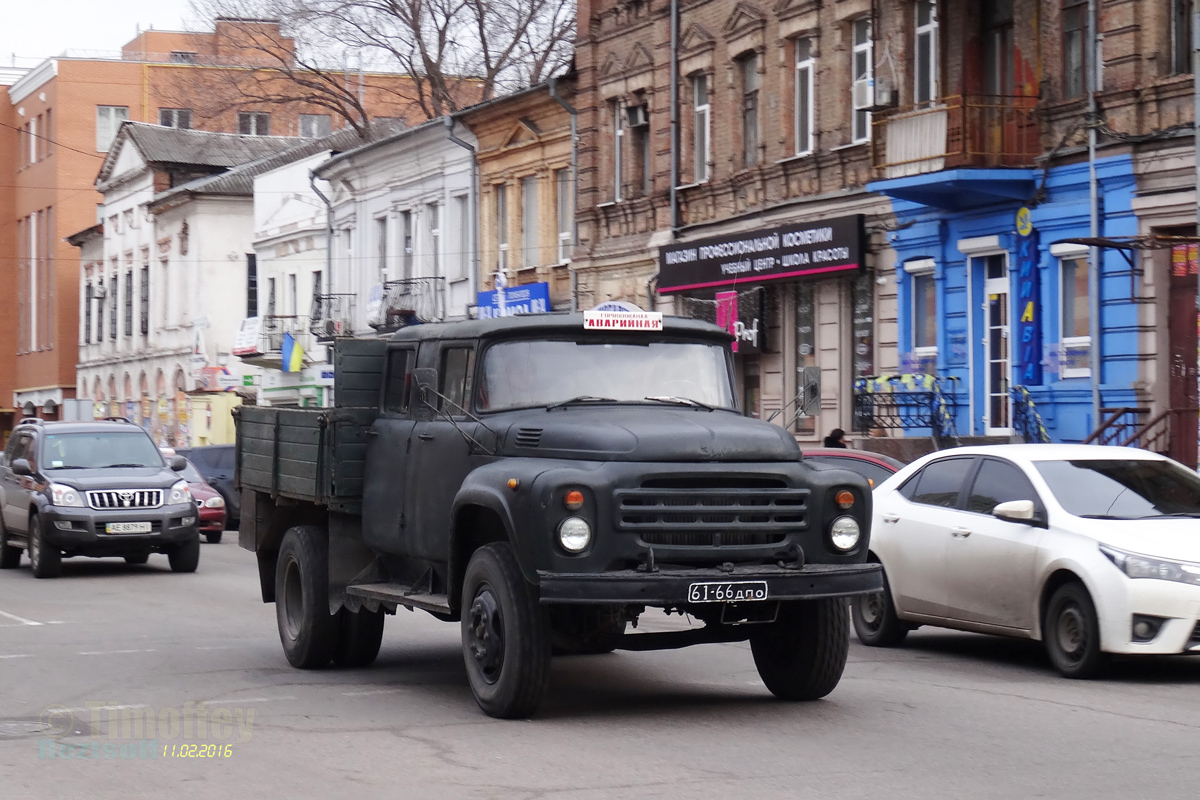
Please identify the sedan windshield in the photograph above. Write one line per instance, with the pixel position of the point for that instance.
(1123, 489)
(539, 373)
(191, 474)
(99, 451)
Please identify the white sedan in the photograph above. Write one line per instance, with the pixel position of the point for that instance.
(1092, 550)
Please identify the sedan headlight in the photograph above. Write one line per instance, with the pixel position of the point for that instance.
(1139, 566)
(215, 502)
(179, 493)
(844, 533)
(66, 496)
(574, 534)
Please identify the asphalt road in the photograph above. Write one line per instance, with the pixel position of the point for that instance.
(948, 716)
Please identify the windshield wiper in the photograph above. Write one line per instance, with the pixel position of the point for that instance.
(680, 401)
(580, 400)
(70, 466)
(1174, 514)
(116, 466)
(1100, 516)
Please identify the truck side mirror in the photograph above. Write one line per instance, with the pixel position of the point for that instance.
(425, 379)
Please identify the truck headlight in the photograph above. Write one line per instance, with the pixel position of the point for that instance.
(66, 496)
(844, 533)
(215, 502)
(179, 493)
(574, 534)
(1139, 566)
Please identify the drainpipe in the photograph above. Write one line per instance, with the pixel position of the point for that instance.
(470, 148)
(1094, 265)
(553, 84)
(312, 181)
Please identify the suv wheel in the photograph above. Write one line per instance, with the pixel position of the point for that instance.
(45, 559)
(801, 656)
(10, 556)
(185, 557)
(308, 631)
(505, 635)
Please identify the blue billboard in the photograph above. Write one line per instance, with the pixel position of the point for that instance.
(532, 298)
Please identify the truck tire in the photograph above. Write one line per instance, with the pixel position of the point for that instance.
(45, 559)
(308, 632)
(801, 656)
(10, 556)
(875, 620)
(505, 635)
(185, 557)
(359, 637)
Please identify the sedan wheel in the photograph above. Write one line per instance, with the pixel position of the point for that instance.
(1072, 633)
(875, 620)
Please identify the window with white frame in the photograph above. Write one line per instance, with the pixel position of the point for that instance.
(254, 123)
(862, 73)
(501, 227)
(1075, 317)
(175, 117)
(293, 300)
(406, 244)
(701, 128)
(314, 126)
(923, 309)
(108, 120)
(806, 68)
(562, 183)
(435, 238)
(381, 248)
(926, 66)
(617, 114)
(530, 257)
(462, 224)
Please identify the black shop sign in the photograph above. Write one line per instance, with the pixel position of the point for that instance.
(787, 252)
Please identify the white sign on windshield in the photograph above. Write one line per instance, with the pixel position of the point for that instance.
(622, 320)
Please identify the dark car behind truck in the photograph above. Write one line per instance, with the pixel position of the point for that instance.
(542, 485)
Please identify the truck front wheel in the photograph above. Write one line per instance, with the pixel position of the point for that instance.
(802, 654)
(308, 631)
(505, 635)
(359, 637)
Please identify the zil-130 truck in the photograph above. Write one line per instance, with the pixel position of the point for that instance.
(542, 481)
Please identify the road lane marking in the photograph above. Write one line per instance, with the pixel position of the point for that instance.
(235, 700)
(371, 692)
(216, 647)
(19, 655)
(21, 620)
(112, 652)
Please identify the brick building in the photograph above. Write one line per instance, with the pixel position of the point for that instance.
(55, 128)
(773, 150)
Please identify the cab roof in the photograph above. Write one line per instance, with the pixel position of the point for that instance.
(554, 324)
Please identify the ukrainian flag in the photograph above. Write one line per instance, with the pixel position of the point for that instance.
(292, 354)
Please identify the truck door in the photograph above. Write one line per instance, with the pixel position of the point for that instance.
(441, 457)
(385, 512)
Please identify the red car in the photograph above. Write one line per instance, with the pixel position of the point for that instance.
(209, 504)
(875, 467)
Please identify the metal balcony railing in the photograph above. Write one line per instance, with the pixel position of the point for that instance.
(1027, 420)
(274, 327)
(906, 402)
(331, 316)
(410, 301)
(959, 131)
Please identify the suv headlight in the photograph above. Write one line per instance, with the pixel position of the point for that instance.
(66, 496)
(215, 502)
(1139, 566)
(179, 493)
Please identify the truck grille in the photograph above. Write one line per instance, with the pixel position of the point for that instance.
(125, 498)
(733, 512)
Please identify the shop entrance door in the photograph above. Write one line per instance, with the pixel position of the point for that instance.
(1182, 325)
(997, 358)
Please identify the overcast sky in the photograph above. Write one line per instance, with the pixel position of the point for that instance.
(36, 29)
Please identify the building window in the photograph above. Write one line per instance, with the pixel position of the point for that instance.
(129, 302)
(88, 294)
(1075, 321)
(48, 134)
(462, 224)
(435, 239)
(100, 310)
(293, 306)
(924, 314)
(175, 117)
(406, 244)
(750, 84)
(999, 76)
(927, 55)
(164, 293)
(638, 117)
(1074, 27)
(271, 297)
(806, 68)
(254, 123)
(381, 248)
(317, 291)
(700, 128)
(529, 222)
(616, 113)
(35, 147)
(314, 126)
(862, 73)
(113, 291)
(251, 285)
(183, 57)
(1181, 36)
(501, 228)
(562, 182)
(108, 120)
(144, 300)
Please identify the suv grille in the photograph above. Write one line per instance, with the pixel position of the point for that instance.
(125, 498)
(736, 514)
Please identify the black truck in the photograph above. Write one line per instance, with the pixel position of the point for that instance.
(542, 484)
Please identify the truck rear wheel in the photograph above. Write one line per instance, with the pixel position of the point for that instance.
(359, 637)
(801, 656)
(505, 635)
(308, 632)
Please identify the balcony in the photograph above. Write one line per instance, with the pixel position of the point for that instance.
(980, 131)
(332, 315)
(260, 339)
(408, 302)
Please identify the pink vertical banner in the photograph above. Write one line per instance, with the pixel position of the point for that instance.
(727, 314)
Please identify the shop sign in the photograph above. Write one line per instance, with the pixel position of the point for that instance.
(1029, 303)
(531, 298)
(742, 315)
(862, 334)
(798, 250)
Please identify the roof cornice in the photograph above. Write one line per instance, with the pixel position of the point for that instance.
(33, 80)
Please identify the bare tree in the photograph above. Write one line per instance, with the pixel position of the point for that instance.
(452, 52)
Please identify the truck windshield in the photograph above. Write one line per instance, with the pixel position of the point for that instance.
(99, 451)
(526, 374)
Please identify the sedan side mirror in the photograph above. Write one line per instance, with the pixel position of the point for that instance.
(178, 463)
(20, 466)
(1015, 511)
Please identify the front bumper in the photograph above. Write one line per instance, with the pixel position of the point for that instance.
(669, 587)
(212, 520)
(1177, 603)
(81, 531)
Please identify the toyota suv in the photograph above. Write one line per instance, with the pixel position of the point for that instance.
(93, 489)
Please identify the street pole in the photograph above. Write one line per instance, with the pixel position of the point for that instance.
(1196, 111)
(1094, 271)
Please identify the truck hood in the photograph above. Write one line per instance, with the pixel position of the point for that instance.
(123, 478)
(646, 433)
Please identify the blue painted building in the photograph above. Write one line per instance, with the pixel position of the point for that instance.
(969, 316)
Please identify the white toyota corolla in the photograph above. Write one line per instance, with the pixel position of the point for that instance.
(1092, 550)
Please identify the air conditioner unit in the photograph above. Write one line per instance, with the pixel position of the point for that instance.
(885, 94)
(638, 115)
(333, 327)
(862, 94)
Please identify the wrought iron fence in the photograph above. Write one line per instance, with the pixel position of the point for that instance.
(409, 301)
(274, 327)
(332, 315)
(1027, 421)
(906, 402)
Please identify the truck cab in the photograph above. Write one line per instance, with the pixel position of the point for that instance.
(542, 482)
